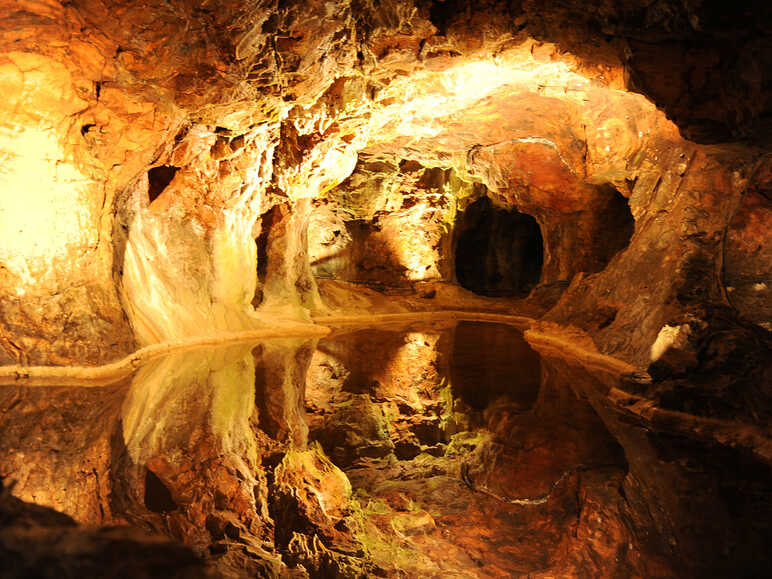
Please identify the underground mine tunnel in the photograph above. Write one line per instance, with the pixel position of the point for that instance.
(498, 252)
(385, 289)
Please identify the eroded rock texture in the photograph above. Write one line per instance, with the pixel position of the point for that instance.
(173, 170)
(157, 142)
(41, 542)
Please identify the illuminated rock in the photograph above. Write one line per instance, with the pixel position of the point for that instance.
(186, 170)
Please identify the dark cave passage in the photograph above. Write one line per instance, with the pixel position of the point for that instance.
(498, 252)
(616, 227)
(271, 217)
(158, 497)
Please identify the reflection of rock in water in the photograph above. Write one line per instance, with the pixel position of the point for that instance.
(462, 453)
(55, 447)
(184, 397)
(221, 435)
(459, 461)
(190, 442)
(373, 393)
(707, 499)
(489, 361)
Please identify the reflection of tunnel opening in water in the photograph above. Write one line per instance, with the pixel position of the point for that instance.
(491, 361)
(499, 252)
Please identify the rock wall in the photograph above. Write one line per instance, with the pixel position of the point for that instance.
(256, 105)
(171, 170)
(746, 256)
(387, 226)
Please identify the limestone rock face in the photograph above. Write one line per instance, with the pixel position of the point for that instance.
(187, 170)
(386, 226)
(152, 140)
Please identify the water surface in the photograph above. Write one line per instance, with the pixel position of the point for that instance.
(428, 450)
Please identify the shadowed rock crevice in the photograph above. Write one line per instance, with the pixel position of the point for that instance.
(158, 179)
(267, 221)
(615, 227)
(747, 259)
(158, 498)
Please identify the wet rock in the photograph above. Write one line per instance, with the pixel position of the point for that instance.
(318, 490)
(185, 169)
(40, 541)
(720, 368)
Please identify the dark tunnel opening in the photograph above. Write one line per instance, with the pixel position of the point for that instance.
(158, 179)
(268, 220)
(498, 252)
(616, 228)
(158, 498)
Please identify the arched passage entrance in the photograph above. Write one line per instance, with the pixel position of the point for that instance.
(498, 252)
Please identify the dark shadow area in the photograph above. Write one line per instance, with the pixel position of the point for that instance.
(443, 13)
(748, 257)
(158, 498)
(616, 227)
(490, 361)
(729, 502)
(498, 252)
(158, 179)
(38, 541)
(268, 219)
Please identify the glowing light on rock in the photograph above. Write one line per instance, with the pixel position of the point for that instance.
(173, 396)
(412, 249)
(415, 246)
(44, 211)
(413, 361)
(669, 337)
(326, 168)
(215, 294)
(411, 106)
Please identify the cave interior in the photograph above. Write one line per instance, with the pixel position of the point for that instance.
(433, 288)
